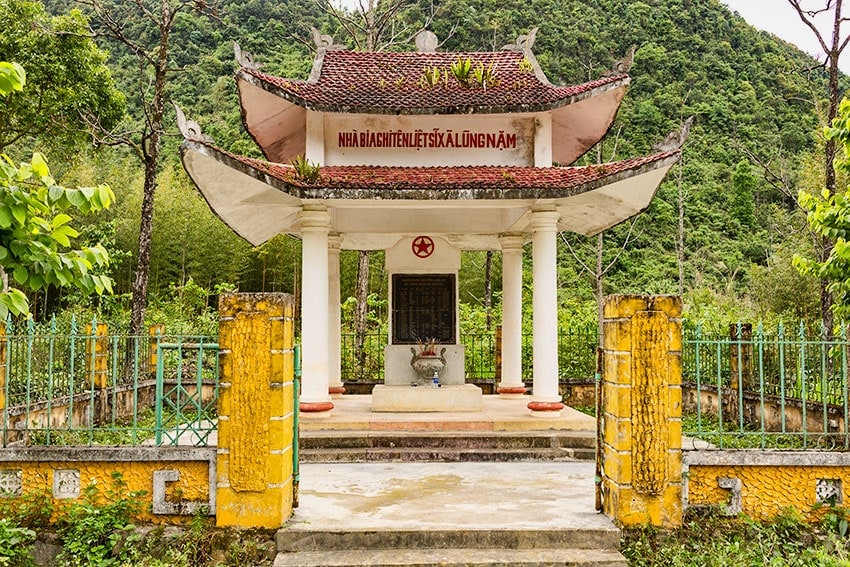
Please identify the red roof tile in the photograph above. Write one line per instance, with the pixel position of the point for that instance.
(386, 82)
(447, 183)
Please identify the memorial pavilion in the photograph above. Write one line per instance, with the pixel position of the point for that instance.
(425, 154)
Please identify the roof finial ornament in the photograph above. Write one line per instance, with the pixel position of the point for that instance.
(523, 44)
(675, 139)
(245, 59)
(190, 129)
(426, 41)
(324, 42)
(624, 65)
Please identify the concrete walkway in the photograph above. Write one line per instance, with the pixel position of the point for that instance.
(490, 495)
(445, 496)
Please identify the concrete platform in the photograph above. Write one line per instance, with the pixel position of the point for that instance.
(497, 414)
(427, 399)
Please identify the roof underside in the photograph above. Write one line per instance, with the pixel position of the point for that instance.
(469, 206)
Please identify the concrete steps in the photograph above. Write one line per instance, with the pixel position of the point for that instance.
(386, 547)
(445, 446)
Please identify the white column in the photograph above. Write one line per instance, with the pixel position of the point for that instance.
(315, 224)
(545, 398)
(335, 385)
(511, 385)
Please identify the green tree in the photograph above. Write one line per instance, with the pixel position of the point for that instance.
(829, 217)
(12, 77)
(69, 87)
(35, 234)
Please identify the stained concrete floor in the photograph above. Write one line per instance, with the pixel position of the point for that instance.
(472, 496)
(466, 495)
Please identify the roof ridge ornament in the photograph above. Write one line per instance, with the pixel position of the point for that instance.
(324, 43)
(523, 44)
(190, 129)
(677, 138)
(624, 65)
(245, 59)
(426, 41)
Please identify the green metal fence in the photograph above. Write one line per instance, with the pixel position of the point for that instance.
(60, 389)
(186, 392)
(754, 388)
(783, 388)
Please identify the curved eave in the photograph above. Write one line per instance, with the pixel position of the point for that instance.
(277, 125)
(259, 201)
(579, 126)
(245, 203)
(276, 117)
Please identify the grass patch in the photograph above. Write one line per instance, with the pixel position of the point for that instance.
(712, 540)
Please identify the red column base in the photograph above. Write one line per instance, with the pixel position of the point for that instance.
(336, 390)
(545, 406)
(312, 407)
(511, 390)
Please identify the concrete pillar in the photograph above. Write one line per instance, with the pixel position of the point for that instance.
(3, 362)
(97, 347)
(256, 410)
(511, 385)
(97, 362)
(335, 386)
(315, 224)
(642, 410)
(155, 332)
(545, 397)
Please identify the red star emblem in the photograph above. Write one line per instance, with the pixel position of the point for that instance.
(422, 246)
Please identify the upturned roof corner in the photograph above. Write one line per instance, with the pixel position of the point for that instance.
(190, 129)
(523, 44)
(676, 139)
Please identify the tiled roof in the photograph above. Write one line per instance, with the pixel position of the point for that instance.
(463, 183)
(386, 82)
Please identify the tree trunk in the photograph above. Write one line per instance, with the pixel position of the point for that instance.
(830, 151)
(599, 276)
(361, 294)
(151, 148)
(488, 288)
(680, 237)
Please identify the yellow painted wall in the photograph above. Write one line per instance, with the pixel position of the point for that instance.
(193, 484)
(766, 491)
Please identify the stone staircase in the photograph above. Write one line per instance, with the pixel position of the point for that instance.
(446, 446)
(451, 548)
(493, 488)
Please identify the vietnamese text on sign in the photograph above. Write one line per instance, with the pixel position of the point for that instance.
(435, 138)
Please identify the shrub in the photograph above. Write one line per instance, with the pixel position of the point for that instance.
(15, 544)
(99, 531)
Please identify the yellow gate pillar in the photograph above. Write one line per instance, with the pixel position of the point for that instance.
(642, 410)
(255, 409)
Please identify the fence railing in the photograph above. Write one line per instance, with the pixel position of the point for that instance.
(753, 388)
(86, 385)
(82, 385)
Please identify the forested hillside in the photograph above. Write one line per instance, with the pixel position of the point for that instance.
(754, 100)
